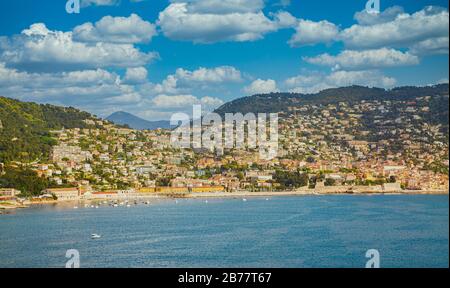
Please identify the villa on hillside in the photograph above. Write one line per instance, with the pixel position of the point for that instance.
(64, 194)
(9, 192)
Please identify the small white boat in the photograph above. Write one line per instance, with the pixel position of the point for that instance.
(76, 207)
(96, 236)
(245, 200)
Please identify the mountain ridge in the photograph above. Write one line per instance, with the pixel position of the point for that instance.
(135, 122)
(278, 102)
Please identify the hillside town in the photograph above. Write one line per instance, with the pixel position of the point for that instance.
(331, 148)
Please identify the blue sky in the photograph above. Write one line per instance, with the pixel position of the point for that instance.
(135, 56)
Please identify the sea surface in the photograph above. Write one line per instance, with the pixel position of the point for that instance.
(309, 231)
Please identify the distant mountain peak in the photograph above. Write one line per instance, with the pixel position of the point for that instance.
(135, 122)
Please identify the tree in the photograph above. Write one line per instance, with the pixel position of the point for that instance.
(330, 182)
(163, 182)
(291, 179)
(25, 180)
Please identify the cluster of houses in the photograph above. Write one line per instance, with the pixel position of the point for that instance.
(376, 139)
(343, 144)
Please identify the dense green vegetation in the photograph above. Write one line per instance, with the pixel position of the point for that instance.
(438, 101)
(278, 102)
(25, 180)
(291, 179)
(25, 128)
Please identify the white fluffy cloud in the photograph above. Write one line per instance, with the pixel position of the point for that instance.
(284, 19)
(310, 33)
(184, 101)
(211, 102)
(376, 58)
(98, 91)
(213, 21)
(167, 86)
(183, 80)
(388, 15)
(92, 88)
(260, 86)
(71, 68)
(214, 75)
(175, 92)
(130, 29)
(222, 6)
(316, 82)
(13, 78)
(423, 32)
(40, 49)
(391, 38)
(136, 75)
(431, 46)
(403, 31)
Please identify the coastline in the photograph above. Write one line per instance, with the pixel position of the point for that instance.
(309, 193)
(7, 206)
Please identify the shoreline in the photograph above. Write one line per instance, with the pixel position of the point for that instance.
(312, 193)
(308, 193)
(239, 194)
(8, 206)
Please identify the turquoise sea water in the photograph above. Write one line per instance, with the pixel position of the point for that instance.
(311, 231)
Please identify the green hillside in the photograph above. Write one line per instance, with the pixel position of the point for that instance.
(25, 127)
(279, 102)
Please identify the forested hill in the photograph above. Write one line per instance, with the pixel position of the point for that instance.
(24, 128)
(278, 102)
